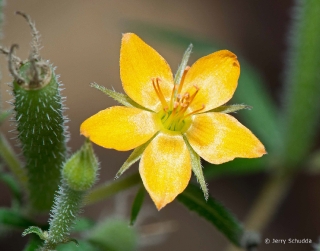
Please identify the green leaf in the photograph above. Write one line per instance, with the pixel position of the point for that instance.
(120, 97)
(137, 204)
(10, 181)
(108, 189)
(134, 157)
(302, 89)
(197, 168)
(36, 230)
(230, 108)
(238, 166)
(14, 219)
(12, 161)
(214, 212)
(263, 119)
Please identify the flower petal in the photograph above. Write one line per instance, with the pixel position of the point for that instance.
(121, 128)
(165, 168)
(219, 138)
(217, 77)
(139, 63)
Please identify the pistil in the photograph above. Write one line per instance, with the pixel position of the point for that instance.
(173, 118)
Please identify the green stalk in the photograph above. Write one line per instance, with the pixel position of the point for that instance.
(66, 208)
(302, 83)
(108, 189)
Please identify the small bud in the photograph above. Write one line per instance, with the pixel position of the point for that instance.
(80, 171)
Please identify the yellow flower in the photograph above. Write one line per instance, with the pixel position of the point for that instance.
(178, 117)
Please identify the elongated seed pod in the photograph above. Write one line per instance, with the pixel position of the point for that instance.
(40, 123)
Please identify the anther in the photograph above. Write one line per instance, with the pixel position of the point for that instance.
(185, 97)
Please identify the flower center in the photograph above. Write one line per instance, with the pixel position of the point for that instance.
(173, 115)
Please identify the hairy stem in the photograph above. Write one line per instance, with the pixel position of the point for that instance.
(302, 89)
(66, 208)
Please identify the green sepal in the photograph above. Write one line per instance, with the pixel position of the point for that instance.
(197, 168)
(183, 65)
(137, 204)
(214, 212)
(119, 97)
(230, 108)
(80, 170)
(134, 157)
(43, 235)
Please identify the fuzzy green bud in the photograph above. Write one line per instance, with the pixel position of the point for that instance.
(80, 171)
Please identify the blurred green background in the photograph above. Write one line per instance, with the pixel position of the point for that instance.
(82, 38)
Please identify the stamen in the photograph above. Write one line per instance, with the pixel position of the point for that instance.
(183, 77)
(196, 111)
(156, 86)
(195, 93)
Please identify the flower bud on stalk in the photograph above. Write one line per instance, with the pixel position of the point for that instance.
(79, 174)
(80, 171)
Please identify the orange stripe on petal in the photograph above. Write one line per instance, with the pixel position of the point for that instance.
(139, 63)
(219, 138)
(121, 128)
(217, 77)
(165, 168)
